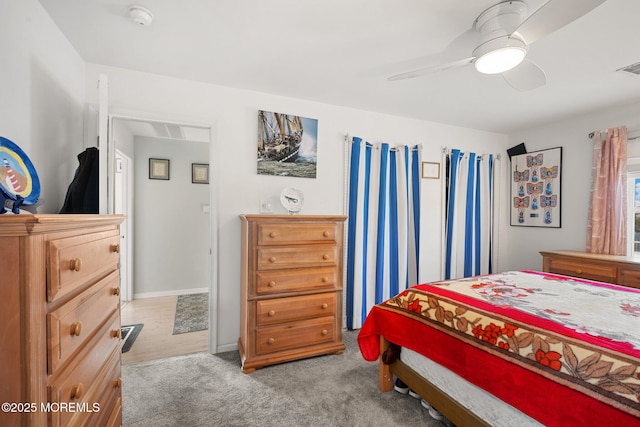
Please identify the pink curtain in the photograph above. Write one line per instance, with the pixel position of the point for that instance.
(607, 221)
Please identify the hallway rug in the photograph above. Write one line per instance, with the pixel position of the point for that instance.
(192, 313)
(129, 333)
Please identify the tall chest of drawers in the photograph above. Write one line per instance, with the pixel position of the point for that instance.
(60, 339)
(291, 290)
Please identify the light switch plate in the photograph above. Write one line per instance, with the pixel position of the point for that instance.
(266, 207)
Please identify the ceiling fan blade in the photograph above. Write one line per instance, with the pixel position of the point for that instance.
(552, 16)
(447, 58)
(431, 69)
(461, 45)
(526, 76)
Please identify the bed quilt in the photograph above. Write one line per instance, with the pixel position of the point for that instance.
(563, 350)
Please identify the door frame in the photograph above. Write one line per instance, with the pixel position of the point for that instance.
(213, 205)
(126, 232)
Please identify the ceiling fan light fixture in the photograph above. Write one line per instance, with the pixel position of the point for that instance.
(499, 55)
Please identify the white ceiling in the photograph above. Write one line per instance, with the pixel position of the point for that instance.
(340, 52)
(163, 130)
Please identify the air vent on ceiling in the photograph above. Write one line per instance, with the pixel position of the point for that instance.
(166, 130)
(633, 68)
(175, 131)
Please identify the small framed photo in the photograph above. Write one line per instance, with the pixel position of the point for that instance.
(431, 170)
(200, 173)
(159, 169)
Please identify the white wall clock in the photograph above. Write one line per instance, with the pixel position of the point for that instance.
(292, 199)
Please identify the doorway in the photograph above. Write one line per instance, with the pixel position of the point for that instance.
(158, 219)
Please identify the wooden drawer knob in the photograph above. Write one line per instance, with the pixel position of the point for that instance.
(579, 271)
(115, 248)
(271, 313)
(271, 284)
(325, 306)
(324, 332)
(117, 383)
(77, 391)
(76, 329)
(325, 256)
(325, 234)
(272, 234)
(116, 291)
(115, 333)
(272, 259)
(75, 264)
(325, 279)
(271, 340)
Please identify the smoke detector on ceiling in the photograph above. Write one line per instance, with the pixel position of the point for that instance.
(141, 15)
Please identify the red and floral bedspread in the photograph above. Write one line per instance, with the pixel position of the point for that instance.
(563, 350)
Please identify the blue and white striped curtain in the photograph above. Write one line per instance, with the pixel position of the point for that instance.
(383, 226)
(469, 228)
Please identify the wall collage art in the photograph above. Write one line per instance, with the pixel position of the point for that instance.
(535, 188)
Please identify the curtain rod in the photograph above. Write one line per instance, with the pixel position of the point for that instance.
(347, 140)
(446, 152)
(592, 134)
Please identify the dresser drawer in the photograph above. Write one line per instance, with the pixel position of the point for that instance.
(295, 335)
(110, 402)
(74, 261)
(115, 417)
(293, 280)
(70, 326)
(293, 233)
(282, 310)
(292, 257)
(84, 382)
(629, 278)
(585, 270)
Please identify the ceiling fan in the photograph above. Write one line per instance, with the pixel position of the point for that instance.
(500, 36)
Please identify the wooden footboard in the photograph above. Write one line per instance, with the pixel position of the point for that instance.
(446, 405)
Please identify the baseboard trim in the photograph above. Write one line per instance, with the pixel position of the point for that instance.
(170, 293)
(227, 347)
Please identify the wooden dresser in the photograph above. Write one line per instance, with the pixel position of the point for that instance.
(60, 306)
(620, 270)
(291, 290)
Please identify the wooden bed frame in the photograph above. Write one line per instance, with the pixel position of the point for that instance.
(446, 405)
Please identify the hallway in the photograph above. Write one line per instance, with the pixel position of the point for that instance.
(155, 340)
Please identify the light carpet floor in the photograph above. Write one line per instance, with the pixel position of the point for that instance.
(210, 390)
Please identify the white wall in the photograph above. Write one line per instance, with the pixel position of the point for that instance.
(171, 230)
(122, 137)
(239, 188)
(42, 82)
(572, 135)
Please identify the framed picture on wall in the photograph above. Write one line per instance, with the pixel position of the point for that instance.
(287, 145)
(200, 173)
(536, 188)
(431, 170)
(159, 169)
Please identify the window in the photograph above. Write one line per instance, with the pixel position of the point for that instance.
(633, 213)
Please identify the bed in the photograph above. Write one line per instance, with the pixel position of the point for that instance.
(548, 349)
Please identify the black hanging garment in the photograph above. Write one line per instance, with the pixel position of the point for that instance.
(82, 195)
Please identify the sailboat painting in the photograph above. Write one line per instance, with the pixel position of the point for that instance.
(287, 145)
